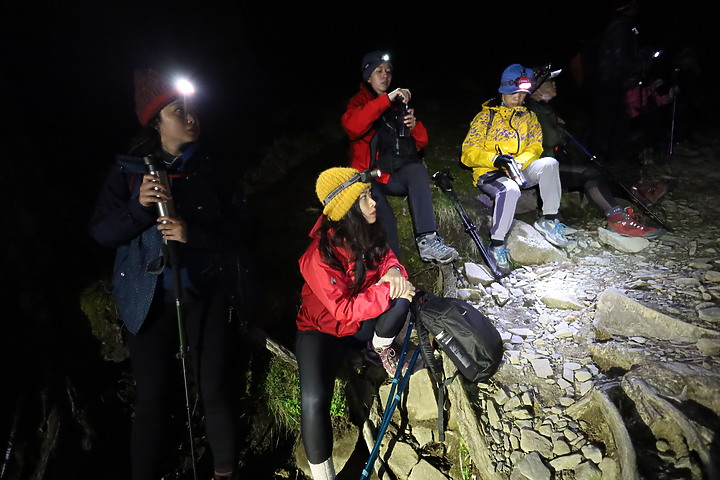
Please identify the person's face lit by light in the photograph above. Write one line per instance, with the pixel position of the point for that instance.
(512, 100)
(381, 78)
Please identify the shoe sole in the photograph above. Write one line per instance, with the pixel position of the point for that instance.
(647, 236)
(441, 262)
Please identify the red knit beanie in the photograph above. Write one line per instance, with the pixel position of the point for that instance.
(153, 92)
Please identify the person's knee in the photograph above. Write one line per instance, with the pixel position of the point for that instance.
(549, 163)
(313, 399)
(512, 191)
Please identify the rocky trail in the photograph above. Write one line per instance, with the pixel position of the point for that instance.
(612, 352)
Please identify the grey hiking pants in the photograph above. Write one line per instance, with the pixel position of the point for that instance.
(543, 172)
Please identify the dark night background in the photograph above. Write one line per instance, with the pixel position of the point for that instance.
(263, 71)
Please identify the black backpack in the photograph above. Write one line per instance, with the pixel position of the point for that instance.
(461, 332)
(392, 147)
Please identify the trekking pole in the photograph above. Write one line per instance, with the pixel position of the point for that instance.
(171, 248)
(393, 399)
(672, 126)
(674, 107)
(629, 192)
(443, 180)
(9, 450)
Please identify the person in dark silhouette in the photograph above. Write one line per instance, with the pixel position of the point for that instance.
(384, 133)
(209, 227)
(355, 290)
(615, 63)
(581, 176)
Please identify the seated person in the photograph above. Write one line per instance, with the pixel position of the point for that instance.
(579, 176)
(355, 290)
(376, 109)
(502, 133)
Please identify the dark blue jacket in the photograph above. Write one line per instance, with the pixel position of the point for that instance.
(219, 232)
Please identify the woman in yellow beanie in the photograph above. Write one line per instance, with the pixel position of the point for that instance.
(355, 290)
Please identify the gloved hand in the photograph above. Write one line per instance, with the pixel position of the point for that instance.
(502, 161)
(507, 164)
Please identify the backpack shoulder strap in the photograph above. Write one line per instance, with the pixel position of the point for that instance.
(490, 120)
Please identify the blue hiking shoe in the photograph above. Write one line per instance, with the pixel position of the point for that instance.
(553, 231)
(502, 258)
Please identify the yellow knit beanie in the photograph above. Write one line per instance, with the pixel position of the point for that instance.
(331, 179)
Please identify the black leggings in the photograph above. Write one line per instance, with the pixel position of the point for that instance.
(319, 356)
(158, 376)
(590, 181)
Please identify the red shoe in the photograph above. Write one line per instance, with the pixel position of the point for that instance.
(628, 223)
(650, 194)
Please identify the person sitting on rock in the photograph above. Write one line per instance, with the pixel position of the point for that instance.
(355, 290)
(505, 141)
(579, 176)
(385, 134)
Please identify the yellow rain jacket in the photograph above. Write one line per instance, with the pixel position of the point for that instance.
(515, 131)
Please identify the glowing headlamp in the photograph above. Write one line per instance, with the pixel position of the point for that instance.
(523, 83)
(184, 87)
(385, 58)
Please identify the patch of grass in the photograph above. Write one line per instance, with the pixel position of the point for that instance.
(465, 463)
(100, 308)
(282, 390)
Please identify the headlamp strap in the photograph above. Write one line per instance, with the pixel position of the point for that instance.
(354, 179)
(363, 177)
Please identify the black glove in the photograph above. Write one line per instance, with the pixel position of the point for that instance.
(502, 161)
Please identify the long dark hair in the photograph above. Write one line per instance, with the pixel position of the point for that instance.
(366, 242)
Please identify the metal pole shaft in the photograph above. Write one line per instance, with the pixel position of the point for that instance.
(672, 125)
(172, 249)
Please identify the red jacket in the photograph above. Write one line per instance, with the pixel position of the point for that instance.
(362, 111)
(328, 305)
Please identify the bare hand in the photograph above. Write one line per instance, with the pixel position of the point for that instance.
(152, 191)
(403, 92)
(400, 287)
(173, 228)
(410, 119)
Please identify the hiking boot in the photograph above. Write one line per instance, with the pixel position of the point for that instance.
(552, 230)
(432, 248)
(650, 194)
(628, 223)
(502, 258)
(384, 357)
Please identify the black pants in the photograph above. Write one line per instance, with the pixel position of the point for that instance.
(158, 377)
(319, 356)
(590, 181)
(411, 180)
